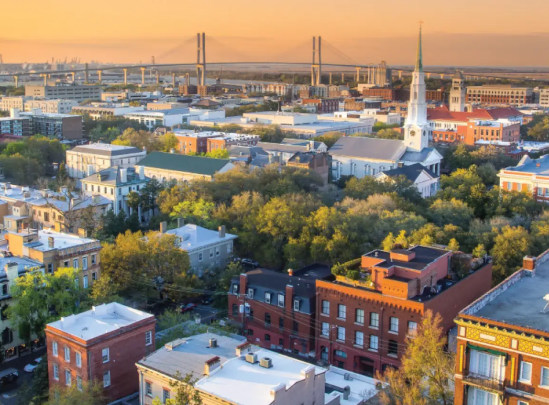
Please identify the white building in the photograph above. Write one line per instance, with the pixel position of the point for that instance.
(362, 156)
(426, 182)
(457, 93)
(388, 118)
(98, 111)
(173, 117)
(51, 106)
(544, 97)
(84, 160)
(207, 249)
(115, 184)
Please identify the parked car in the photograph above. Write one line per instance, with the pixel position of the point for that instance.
(249, 263)
(207, 300)
(188, 307)
(8, 376)
(29, 368)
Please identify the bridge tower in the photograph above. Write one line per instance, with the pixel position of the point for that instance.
(201, 64)
(316, 67)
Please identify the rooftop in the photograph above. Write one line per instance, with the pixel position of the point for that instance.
(520, 300)
(529, 165)
(23, 264)
(183, 163)
(99, 320)
(411, 172)
(60, 240)
(193, 236)
(245, 383)
(423, 257)
(370, 148)
(112, 175)
(188, 355)
(106, 149)
(362, 387)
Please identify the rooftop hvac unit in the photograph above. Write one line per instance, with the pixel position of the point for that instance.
(213, 342)
(251, 358)
(346, 392)
(347, 376)
(266, 362)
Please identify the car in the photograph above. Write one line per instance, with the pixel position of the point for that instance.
(207, 300)
(188, 307)
(8, 376)
(29, 368)
(249, 263)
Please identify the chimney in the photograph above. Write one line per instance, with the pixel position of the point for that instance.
(163, 227)
(222, 231)
(51, 242)
(529, 263)
(180, 222)
(243, 284)
(243, 348)
(211, 365)
(289, 298)
(141, 172)
(124, 175)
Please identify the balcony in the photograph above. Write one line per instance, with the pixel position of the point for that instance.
(483, 382)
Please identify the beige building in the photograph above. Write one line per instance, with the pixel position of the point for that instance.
(56, 250)
(68, 92)
(51, 106)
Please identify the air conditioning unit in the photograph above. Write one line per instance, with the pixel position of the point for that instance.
(213, 342)
(251, 358)
(347, 376)
(266, 362)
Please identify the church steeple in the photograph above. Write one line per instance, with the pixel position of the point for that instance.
(419, 56)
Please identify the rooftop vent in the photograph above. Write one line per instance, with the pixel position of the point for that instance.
(346, 392)
(347, 377)
(213, 342)
(266, 362)
(251, 358)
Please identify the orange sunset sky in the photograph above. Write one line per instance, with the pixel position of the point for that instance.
(464, 32)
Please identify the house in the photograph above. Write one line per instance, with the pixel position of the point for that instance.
(102, 344)
(529, 176)
(502, 352)
(207, 249)
(55, 250)
(426, 182)
(319, 163)
(171, 166)
(363, 324)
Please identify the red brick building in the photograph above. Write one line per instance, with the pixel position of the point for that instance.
(277, 310)
(362, 325)
(103, 345)
(499, 94)
(502, 352)
(320, 163)
(323, 105)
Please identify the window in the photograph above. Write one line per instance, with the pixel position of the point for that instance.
(235, 288)
(544, 377)
(56, 372)
(235, 310)
(105, 355)
(325, 307)
(148, 338)
(85, 263)
(68, 378)
(50, 268)
(412, 328)
(341, 333)
(267, 319)
(79, 383)
(165, 395)
(359, 338)
(67, 354)
(4, 289)
(66, 263)
(525, 372)
(393, 348)
(94, 259)
(94, 276)
(325, 329)
(200, 257)
(374, 342)
(359, 316)
(54, 348)
(522, 403)
(217, 251)
(75, 263)
(211, 253)
(251, 293)
(481, 397)
(280, 300)
(374, 320)
(486, 365)
(296, 305)
(85, 281)
(340, 353)
(295, 327)
(281, 323)
(106, 379)
(78, 359)
(267, 337)
(341, 311)
(393, 324)
(268, 297)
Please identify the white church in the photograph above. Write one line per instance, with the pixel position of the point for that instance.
(363, 156)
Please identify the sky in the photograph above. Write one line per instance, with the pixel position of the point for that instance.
(456, 33)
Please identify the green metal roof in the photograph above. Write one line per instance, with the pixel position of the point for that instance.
(183, 163)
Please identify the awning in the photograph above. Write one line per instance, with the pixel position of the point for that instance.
(484, 349)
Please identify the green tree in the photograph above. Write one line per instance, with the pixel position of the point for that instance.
(90, 394)
(479, 251)
(185, 393)
(454, 212)
(453, 245)
(510, 246)
(427, 371)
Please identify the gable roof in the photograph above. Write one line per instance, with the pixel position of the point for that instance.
(411, 172)
(183, 163)
(368, 148)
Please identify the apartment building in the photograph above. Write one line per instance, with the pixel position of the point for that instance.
(544, 97)
(56, 250)
(502, 351)
(50, 106)
(74, 92)
(98, 111)
(85, 160)
(103, 345)
(529, 175)
(61, 126)
(277, 310)
(499, 94)
(20, 126)
(363, 324)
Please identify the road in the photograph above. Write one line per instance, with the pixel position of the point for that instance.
(9, 395)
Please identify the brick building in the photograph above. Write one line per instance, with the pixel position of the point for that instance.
(362, 325)
(103, 345)
(502, 351)
(323, 105)
(278, 310)
(317, 162)
(499, 94)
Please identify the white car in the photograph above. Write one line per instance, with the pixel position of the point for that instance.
(29, 368)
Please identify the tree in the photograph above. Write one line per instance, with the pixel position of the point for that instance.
(510, 246)
(38, 390)
(454, 212)
(453, 245)
(427, 371)
(90, 394)
(218, 154)
(185, 393)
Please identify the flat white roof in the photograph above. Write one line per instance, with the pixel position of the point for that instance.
(99, 320)
(244, 383)
(362, 387)
(60, 240)
(104, 146)
(193, 236)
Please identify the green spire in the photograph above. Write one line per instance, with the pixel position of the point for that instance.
(419, 57)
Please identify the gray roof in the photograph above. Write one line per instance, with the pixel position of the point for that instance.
(411, 172)
(413, 156)
(106, 149)
(23, 264)
(368, 148)
(188, 355)
(528, 165)
(279, 147)
(112, 176)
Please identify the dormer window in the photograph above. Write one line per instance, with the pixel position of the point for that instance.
(251, 293)
(297, 304)
(268, 297)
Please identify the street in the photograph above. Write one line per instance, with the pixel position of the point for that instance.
(8, 395)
